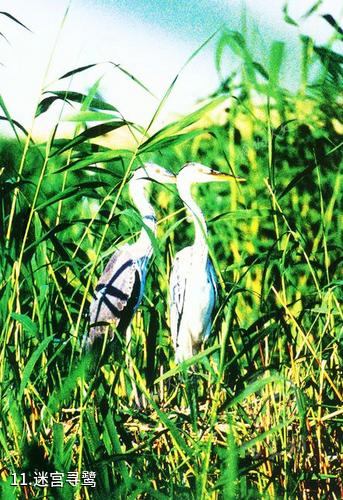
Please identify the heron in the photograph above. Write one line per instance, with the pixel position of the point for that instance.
(120, 288)
(193, 282)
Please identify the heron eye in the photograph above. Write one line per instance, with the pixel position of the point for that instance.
(158, 170)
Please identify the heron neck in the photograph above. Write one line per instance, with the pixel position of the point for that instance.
(200, 238)
(139, 197)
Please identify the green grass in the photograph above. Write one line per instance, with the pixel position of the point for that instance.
(261, 417)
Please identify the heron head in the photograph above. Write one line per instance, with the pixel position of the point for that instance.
(154, 172)
(193, 173)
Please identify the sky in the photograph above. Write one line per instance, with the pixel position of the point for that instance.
(151, 39)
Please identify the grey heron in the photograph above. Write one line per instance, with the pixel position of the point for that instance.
(120, 288)
(193, 289)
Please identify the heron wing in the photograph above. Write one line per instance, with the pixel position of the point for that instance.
(184, 261)
(212, 277)
(177, 292)
(116, 295)
(212, 280)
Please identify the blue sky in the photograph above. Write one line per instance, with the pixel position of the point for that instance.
(152, 39)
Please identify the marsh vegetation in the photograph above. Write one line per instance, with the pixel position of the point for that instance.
(265, 420)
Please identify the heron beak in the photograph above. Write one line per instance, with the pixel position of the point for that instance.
(165, 178)
(219, 176)
(170, 178)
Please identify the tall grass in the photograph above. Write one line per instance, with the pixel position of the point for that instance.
(261, 415)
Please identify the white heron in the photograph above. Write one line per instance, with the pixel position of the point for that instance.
(120, 288)
(193, 288)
